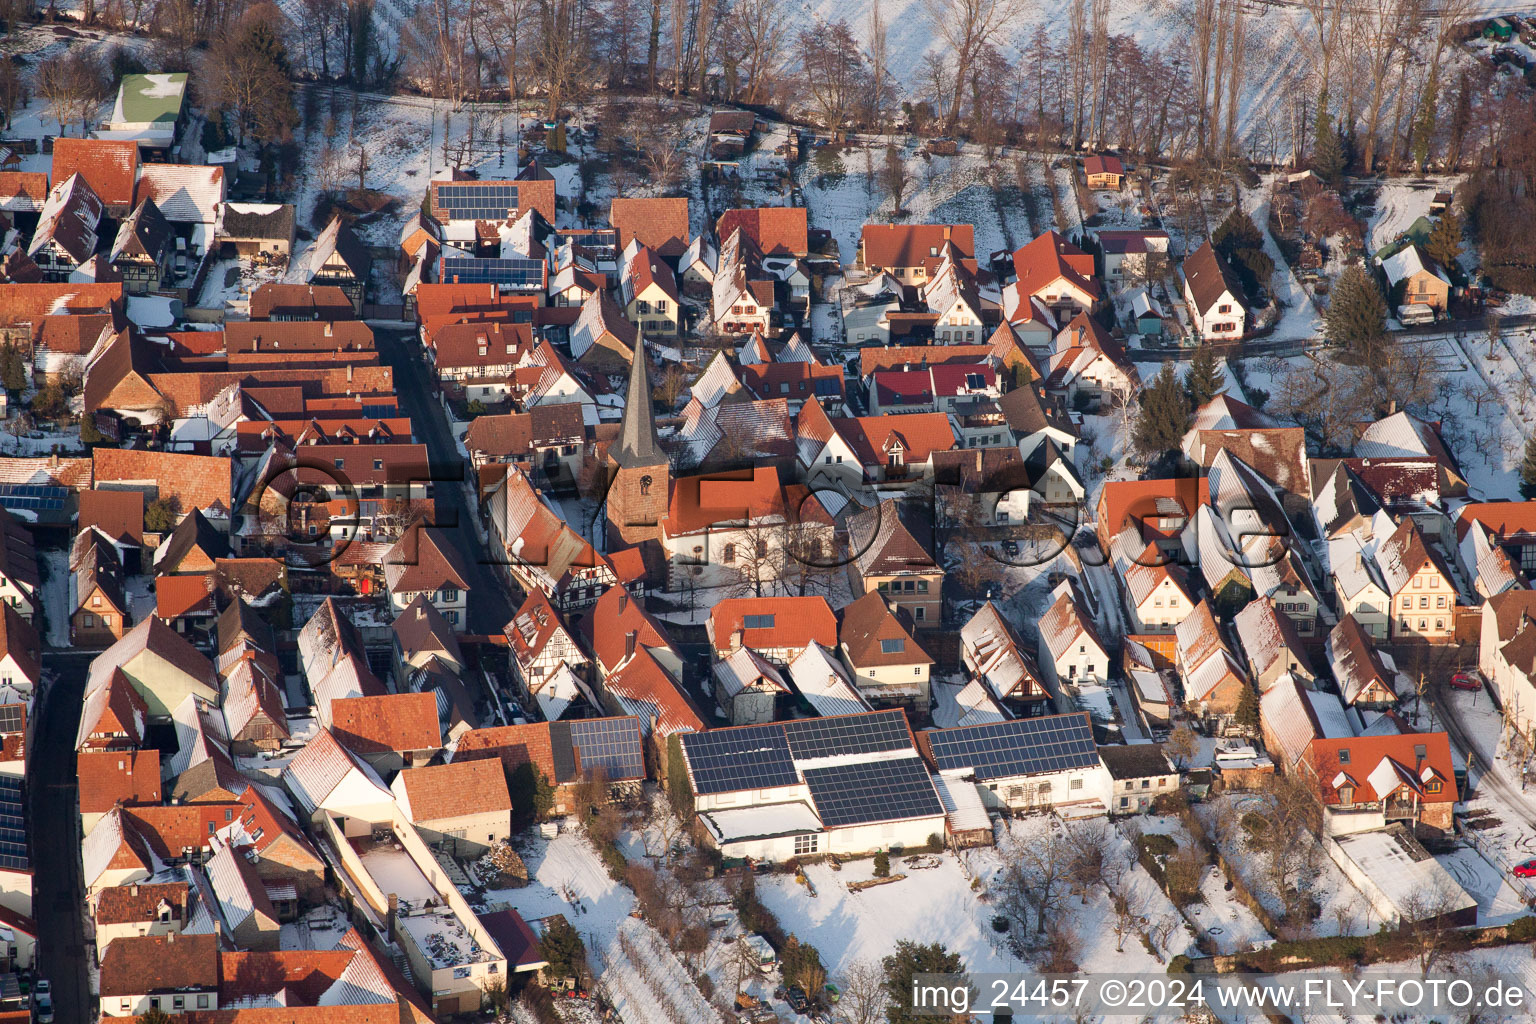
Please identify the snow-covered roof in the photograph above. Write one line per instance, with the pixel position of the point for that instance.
(1404, 872)
(185, 193)
(718, 380)
(1295, 716)
(746, 669)
(961, 704)
(824, 683)
(991, 651)
(768, 821)
(1407, 262)
(559, 691)
(1354, 568)
(325, 774)
(963, 808)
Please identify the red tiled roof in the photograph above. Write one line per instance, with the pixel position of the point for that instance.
(454, 790)
(443, 298)
(1049, 257)
(615, 615)
(31, 302)
(868, 624)
(108, 777)
(29, 184)
(777, 230)
(909, 245)
(647, 690)
(317, 301)
(1326, 759)
(797, 621)
(118, 514)
(109, 166)
(701, 501)
(138, 964)
(1123, 500)
(1098, 164)
(127, 904)
(398, 722)
(1505, 519)
(919, 434)
(171, 829)
(513, 745)
(195, 481)
(176, 596)
(898, 357)
(423, 560)
(768, 380)
(659, 224)
(304, 973)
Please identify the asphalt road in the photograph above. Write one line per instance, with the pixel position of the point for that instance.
(58, 891)
(490, 602)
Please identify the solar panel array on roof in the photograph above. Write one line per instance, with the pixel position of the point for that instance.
(731, 760)
(603, 244)
(612, 744)
(521, 274)
(1022, 746)
(13, 826)
(855, 794)
(36, 497)
(561, 752)
(477, 200)
(810, 738)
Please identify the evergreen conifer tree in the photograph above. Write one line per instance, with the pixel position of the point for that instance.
(1164, 415)
(1357, 314)
(1204, 381)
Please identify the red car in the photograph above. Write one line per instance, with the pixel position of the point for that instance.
(1466, 681)
(1526, 870)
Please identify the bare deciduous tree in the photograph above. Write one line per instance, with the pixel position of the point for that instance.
(834, 70)
(966, 27)
(863, 988)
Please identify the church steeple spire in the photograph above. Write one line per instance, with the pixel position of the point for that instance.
(638, 443)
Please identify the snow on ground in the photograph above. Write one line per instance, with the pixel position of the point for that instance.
(1497, 900)
(321, 928)
(943, 190)
(1229, 924)
(929, 905)
(1342, 909)
(56, 595)
(938, 904)
(640, 974)
(1300, 318)
(1398, 205)
(1066, 194)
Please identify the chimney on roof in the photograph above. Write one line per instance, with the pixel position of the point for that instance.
(349, 373)
(170, 937)
(629, 644)
(133, 890)
(623, 599)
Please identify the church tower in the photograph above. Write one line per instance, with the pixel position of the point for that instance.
(641, 473)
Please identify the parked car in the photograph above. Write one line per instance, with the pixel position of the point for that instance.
(42, 1004)
(1011, 548)
(1467, 681)
(1526, 870)
(797, 1001)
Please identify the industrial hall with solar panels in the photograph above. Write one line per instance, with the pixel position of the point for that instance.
(856, 783)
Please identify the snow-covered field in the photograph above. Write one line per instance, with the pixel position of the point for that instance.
(939, 904)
